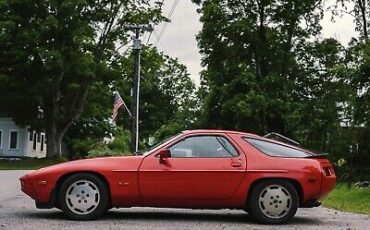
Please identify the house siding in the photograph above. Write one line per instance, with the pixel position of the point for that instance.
(24, 146)
(7, 126)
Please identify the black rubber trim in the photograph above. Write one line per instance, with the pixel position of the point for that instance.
(311, 204)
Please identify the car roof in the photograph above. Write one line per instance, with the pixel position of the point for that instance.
(195, 131)
(252, 135)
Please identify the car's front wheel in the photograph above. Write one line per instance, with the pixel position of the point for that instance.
(273, 202)
(83, 196)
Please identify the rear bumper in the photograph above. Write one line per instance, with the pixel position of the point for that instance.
(328, 181)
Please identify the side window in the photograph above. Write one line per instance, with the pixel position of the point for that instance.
(203, 146)
(276, 150)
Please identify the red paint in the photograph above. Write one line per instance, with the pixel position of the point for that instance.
(189, 182)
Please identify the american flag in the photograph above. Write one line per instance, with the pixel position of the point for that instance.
(118, 103)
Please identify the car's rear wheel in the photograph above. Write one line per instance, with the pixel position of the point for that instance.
(83, 196)
(273, 202)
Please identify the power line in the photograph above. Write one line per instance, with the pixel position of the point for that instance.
(160, 9)
(169, 17)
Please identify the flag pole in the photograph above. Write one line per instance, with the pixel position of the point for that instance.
(129, 113)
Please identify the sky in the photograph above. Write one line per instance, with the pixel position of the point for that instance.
(178, 37)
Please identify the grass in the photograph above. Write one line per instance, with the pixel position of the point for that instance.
(350, 199)
(28, 164)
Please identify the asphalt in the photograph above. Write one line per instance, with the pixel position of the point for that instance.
(17, 211)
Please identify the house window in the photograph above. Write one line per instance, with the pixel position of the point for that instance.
(1, 138)
(42, 143)
(34, 141)
(13, 140)
(38, 137)
(31, 136)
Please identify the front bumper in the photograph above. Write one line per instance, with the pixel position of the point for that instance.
(43, 200)
(50, 204)
(27, 188)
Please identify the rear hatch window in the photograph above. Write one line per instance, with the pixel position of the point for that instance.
(278, 150)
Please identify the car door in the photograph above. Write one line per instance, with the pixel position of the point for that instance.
(201, 167)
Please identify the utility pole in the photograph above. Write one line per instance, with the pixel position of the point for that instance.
(136, 89)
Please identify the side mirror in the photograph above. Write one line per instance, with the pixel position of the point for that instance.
(163, 155)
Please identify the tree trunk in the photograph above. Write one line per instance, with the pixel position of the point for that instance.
(362, 5)
(53, 146)
(54, 142)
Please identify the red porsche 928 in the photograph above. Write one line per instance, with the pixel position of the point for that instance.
(199, 169)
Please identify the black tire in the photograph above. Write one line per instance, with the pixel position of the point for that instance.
(99, 196)
(260, 202)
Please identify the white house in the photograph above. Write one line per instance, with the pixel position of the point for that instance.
(20, 142)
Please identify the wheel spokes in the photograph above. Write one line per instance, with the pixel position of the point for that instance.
(275, 201)
(82, 197)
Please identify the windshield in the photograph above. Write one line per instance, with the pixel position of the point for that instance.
(160, 144)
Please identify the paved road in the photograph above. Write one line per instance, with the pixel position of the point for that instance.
(17, 211)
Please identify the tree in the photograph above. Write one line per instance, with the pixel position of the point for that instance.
(54, 51)
(251, 70)
(168, 103)
(166, 94)
(326, 94)
(359, 10)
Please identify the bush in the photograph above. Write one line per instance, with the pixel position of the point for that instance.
(81, 147)
(119, 146)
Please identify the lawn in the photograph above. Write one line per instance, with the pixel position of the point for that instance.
(350, 199)
(27, 164)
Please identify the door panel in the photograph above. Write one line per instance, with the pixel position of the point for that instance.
(190, 178)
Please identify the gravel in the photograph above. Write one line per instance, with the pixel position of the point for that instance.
(17, 211)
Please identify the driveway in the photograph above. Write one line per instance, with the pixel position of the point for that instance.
(17, 211)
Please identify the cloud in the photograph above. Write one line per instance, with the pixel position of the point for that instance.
(178, 39)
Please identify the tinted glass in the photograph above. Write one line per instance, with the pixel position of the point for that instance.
(276, 150)
(1, 138)
(159, 145)
(13, 139)
(203, 146)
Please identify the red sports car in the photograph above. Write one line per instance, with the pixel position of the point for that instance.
(205, 169)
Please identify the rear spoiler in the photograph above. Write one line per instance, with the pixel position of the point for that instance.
(281, 138)
(320, 155)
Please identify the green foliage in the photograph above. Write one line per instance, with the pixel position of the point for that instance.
(267, 70)
(349, 198)
(56, 54)
(119, 146)
(249, 50)
(167, 94)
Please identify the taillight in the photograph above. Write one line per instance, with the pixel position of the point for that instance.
(327, 171)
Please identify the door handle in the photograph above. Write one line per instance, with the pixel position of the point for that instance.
(237, 163)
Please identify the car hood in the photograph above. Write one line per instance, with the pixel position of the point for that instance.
(125, 163)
